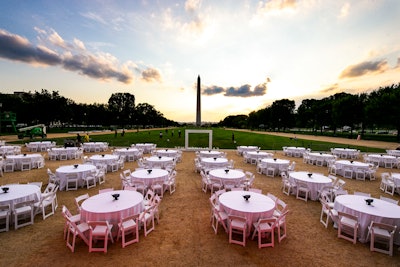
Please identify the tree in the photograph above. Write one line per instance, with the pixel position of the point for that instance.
(122, 107)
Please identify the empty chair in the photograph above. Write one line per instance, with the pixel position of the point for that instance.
(79, 200)
(52, 177)
(302, 191)
(270, 171)
(26, 164)
(170, 183)
(8, 165)
(76, 230)
(146, 219)
(72, 182)
(288, 187)
(348, 173)
(158, 187)
(63, 155)
(75, 218)
(46, 205)
(327, 213)
(5, 213)
(23, 214)
(99, 230)
(390, 186)
(360, 174)
(218, 217)
(128, 230)
(89, 180)
(347, 226)
(140, 186)
(382, 233)
(237, 226)
(100, 175)
(215, 184)
(264, 229)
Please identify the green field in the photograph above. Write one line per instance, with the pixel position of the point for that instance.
(221, 138)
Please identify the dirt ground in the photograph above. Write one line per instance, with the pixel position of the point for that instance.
(184, 236)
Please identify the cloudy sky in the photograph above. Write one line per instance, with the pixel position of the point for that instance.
(247, 53)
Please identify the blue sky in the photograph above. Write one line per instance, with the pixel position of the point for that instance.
(247, 53)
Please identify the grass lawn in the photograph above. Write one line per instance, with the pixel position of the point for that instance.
(221, 138)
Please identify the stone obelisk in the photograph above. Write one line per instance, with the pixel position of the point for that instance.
(198, 107)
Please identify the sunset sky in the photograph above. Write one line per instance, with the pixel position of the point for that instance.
(247, 53)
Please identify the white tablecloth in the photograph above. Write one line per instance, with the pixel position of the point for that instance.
(167, 153)
(146, 147)
(353, 165)
(18, 193)
(159, 162)
(242, 149)
(258, 205)
(91, 146)
(321, 156)
(294, 151)
(210, 154)
(379, 211)
(69, 150)
(276, 164)
(127, 151)
(9, 150)
(40, 145)
(314, 183)
(230, 176)
(381, 159)
(149, 178)
(213, 163)
(103, 207)
(393, 152)
(82, 171)
(106, 159)
(18, 159)
(259, 155)
(345, 153)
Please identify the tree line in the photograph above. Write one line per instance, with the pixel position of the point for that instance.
(379, 109)
(56, 111)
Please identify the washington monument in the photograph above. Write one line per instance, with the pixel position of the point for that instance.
(198, 107)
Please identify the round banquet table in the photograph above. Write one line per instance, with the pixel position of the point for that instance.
(125, 152)
(103, 207)
(167, 153)
(213, 163)
(393, 152)
(295, 151)
(381, 159)
(229, 176)
(159, 162)
(324, 157)
(107, 159)
(18, 159)
(210, 154)
(91, 146)
(379, 211)
(9, 150)
(18, 193)
(146, 147)
(346, 153)
(149, 178)
(69, 150)
(242, 149)
(40, 145)
(82, 171)
(314, 183)
(259, 154)
(258, 206)
(277, 164)
(353, 165)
